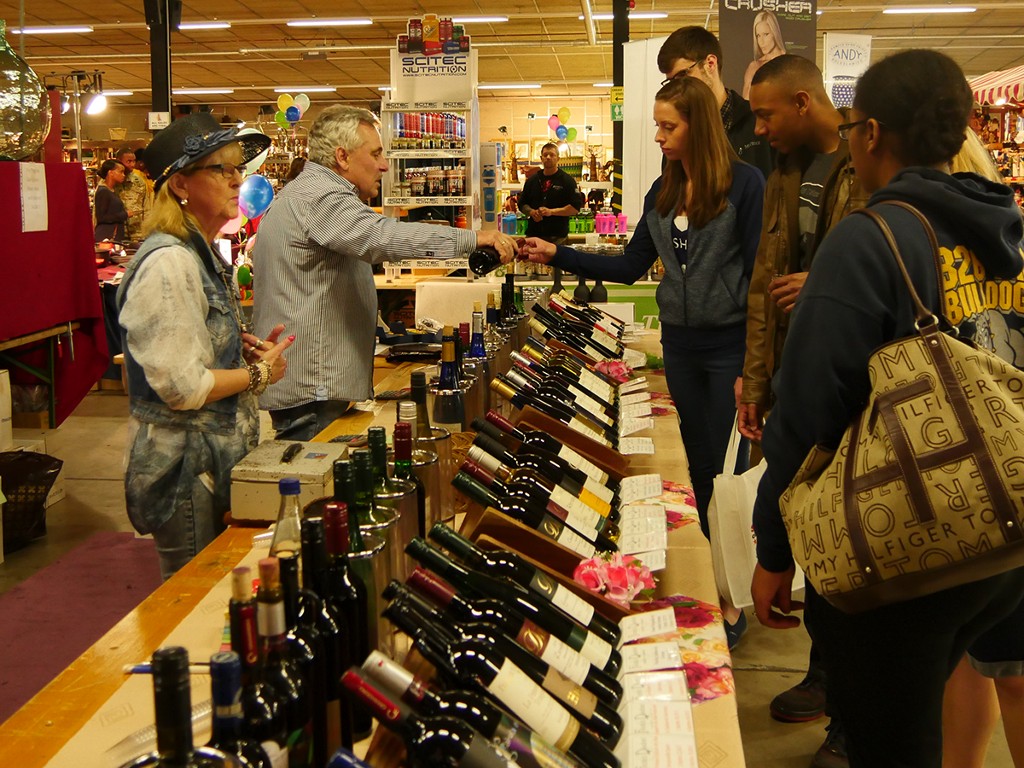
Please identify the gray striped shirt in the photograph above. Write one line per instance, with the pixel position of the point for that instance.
(312, 267)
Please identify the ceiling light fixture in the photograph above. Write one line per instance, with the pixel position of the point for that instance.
(635, 15)
(603, 85)
(307, 89)
(507, 86)
(79, 30)
(65, 104)
(330, 23)
(96, 104)
(930, 9)
(119, 93)
(200, 91)
(190, 25)
(479, 19)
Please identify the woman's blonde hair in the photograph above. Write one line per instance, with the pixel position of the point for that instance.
(710, 155)
(170, 216)
(772, 21)
(974, 157)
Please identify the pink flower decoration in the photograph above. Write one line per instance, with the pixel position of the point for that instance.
(618, 578)
(616, 369)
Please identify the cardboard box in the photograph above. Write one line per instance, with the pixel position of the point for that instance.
(6, 426)
(254, 494)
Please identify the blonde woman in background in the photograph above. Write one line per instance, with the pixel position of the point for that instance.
(989, 680)
(768, 44)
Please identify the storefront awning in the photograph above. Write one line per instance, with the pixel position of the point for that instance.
(999, 87)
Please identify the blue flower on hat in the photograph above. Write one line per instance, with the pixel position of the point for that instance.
(194, 144)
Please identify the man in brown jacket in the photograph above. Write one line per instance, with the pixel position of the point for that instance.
(812, 188)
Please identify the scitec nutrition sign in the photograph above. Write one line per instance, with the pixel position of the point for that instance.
(417, 77)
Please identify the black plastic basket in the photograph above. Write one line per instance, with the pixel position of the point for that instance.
(26, 479)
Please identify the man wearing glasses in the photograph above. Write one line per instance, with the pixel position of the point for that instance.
(695, 52)
(813, 187)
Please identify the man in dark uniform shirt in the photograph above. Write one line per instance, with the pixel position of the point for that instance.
(549, 198)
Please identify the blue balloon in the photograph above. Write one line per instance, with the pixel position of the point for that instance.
(255, 196)
(561, 131)
(292, 114)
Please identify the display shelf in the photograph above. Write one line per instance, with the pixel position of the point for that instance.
(419, 202)
(427, 106)
(427, 154)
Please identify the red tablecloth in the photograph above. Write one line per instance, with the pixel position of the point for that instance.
(49, 278)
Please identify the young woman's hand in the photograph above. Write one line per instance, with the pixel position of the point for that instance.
(536, 250)
(275, 356)
(253, 345)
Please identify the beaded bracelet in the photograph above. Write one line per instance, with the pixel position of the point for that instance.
(259, 377)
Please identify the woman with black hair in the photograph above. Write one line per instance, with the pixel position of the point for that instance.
(109, 210)
(887, 667)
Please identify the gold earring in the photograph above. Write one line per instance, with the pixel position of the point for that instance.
(184, 201)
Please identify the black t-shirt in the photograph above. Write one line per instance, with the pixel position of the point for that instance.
(554, 191)
(811, 185)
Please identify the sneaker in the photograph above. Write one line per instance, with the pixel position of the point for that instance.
(832, 753)
(802, 703)
(733, 632)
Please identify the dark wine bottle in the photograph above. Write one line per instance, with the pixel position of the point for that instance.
(530, 750)
(262, 707)
(513, 567)
(279, 670)
(484, 260)
(172, 698)
(404, 471)
(555, 395)
(418, 394)
(531, 605)
(429, 741)
(477, 346)
(591, 400)
(555, 410)
(449, 406)
(476, 664)
(228, 719)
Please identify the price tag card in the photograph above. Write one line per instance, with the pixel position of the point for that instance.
(636, 397)
(644, 657)
(669, 685)
(631, 446)
(654, 560)
(639, 487)
(629, 426)
(634, 359)
(651, 717)
(647, 624)
(657, 750)
(630, 543)
(634, 385)
(635, 411)
(638, 525)
(641, 510)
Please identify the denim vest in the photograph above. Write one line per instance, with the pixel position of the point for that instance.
(222, 324)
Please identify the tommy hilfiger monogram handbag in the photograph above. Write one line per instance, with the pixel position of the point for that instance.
(926, 489)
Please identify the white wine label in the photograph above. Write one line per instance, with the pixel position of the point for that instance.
(567, 661)
(590, 404)
(572, 503)
(630, 426)
(270, 619)
(604, 339)
(569, 602)
(597, 385)
(631, 446)
(583, 464)
(569, 539)
(597, 650)
(647, 656)
(647, 624)
(574, 696)
(635, 397)
(635, 411)
(533, 705)
(601, 491)
(583, 429)
(638, 487)
(528, 749)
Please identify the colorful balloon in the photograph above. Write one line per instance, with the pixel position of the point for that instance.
(561, 131)
(563, 115)
(281, 119)
(302, 102)
(571, 134)
(553, 122)
(233, 226)
(244, 275)
(293, 114)
(255, 196)
(284, 101)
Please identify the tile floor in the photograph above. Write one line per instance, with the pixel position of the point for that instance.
(91, 443)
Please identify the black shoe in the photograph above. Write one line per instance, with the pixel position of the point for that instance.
(832, 753)
(733, 632)
(802, 703)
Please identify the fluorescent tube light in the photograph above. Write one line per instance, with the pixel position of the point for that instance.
(188, 25)
(479, 19)
(307, 89)
(330, 22)
(506, 86)
(80, 30)
(930, 9)
(603, 85)
(638, 15)
(200, 91)
(118, 93)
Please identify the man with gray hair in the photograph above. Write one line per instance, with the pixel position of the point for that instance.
(313, 260)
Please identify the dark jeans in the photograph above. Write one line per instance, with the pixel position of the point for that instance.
(304, 422)
(887, 668)
(701, 382)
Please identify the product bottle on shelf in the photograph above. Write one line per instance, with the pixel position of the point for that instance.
(262, 707)
(477, 346)
(279, 670)
(477, 710)
(511, 566)
(418, 394)
(493, 338)
(449, 407)
(539, 608)
(288, 528)
(429, 741)
(603, 400)
(517, 391)
(228, 721)
(306, 648)
(404, 471)
(553, 386)
(172, 698)
(593, 379)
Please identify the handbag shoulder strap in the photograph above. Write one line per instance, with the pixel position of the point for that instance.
(923, 315)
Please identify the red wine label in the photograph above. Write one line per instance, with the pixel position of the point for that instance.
(553, 651)
(534, 706)
(530, 750)
(573, 694)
